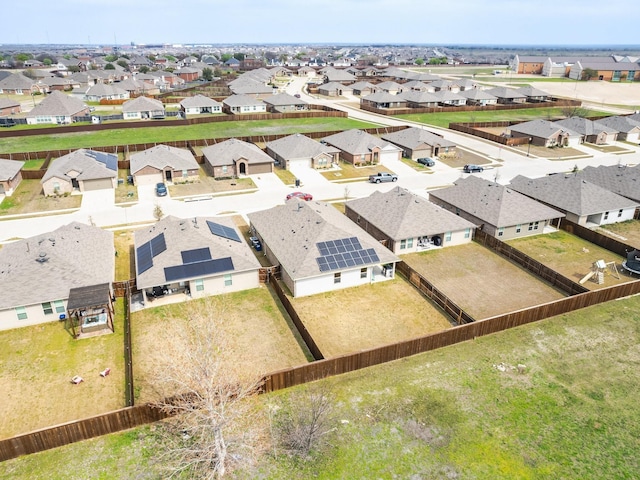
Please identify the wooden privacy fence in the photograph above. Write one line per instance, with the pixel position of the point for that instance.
(431, 292)
(375, 356)
(608, 243)
(536, 268)
(79, 430)
(129, 392)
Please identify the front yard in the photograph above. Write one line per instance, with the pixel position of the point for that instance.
(208, 185)
(28, 198)
(368, 316)
(349, 172)
(256, 326)
(571, 256)
(36, 367)
(479, 281)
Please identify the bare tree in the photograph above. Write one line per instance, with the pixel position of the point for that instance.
(217, 426)
(304, 422)
(157, 212)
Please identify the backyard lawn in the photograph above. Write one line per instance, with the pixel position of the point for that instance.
(368, 316)
(258, 331)
(456, 413)
(627, 232)
(479, 281)
(36, 367)
(571, 256)
(28, 198)
(158, 134)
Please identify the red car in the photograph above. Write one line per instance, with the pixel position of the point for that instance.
(304, 196)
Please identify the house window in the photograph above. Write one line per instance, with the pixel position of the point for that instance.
(363, 272)
(59, 306)
(606, 215)
(199, 285)
(403, 244)
(363, 157)
(447, 237)
(337, 277)
(185, 173)
(619, 213)
(500, 231)
(467, 233)
(410, 242)
(224, 169)
(47, 308)
(518, 228)
(227, 280)
(21, 312)
(358, 219)
(533, 226)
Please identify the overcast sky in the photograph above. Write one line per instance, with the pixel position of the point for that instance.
(496, 22)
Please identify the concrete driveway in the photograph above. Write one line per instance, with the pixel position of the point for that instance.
(97, 200)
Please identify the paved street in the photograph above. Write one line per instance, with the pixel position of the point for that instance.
(98, 207)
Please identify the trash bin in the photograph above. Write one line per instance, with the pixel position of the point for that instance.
(297, 182)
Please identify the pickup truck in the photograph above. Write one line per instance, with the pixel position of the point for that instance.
(383, 177)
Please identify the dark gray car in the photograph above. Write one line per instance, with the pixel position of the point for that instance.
(427, 162)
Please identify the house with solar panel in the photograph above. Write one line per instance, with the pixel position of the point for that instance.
(319, 249)
(178, 259)
(81, 170)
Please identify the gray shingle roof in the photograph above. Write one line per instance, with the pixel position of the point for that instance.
(45, 267)
(541, 129)
(185, 234)
(58, 104)
(299, 146)
(142, 104)
(416, 96)
(532, 92)
(383, 97)
(199, 101)
(103, 90)
(283, 99)
(505, 92)
(229, 151)
(571, 193)
(620, 124)
(619, 179)
(292, 230)
(242, 101)
(161, 157)
(9, 168)
(413, 137)
(401, 214)
(477, 94)
(493, 203)
(355, 141)
(90, 164)
(8, 103)
(585, 126)
(17, 81)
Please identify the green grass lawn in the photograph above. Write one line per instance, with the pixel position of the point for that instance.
(460, 412)
(28, 198)
(525, 114)
(155, 134)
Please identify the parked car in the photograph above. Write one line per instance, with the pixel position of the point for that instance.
(161, 190)
(255, 243)
(470, 168)
(427, 162)
(383, 177)
(304, 196)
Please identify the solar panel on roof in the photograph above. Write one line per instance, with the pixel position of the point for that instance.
(198, 269)
(158, 245)
(343, 253)
(144, 258)
(223, 231)
(196, 255)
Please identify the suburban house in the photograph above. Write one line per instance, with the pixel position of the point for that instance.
(545, 133)
(533, 94)
(179, 259)
(164, 163)
(250, 86)
(591, 131)
(283, 103)
(142, 108)
(238, 104)
(361, 148)
(334, 89)
(10, 176)
(81, 170)
(621, 179)
(319, 249)
(447, 98)
(439, 85)
(19, 84)
(497, 210)
(478, 97)
(340, 76)
(9, 107)
(418, 86)
(188, 74)
(627, 128)
(200, 104)
(506, 95)
(582, 202)
(419, 99)
(383, 100)
(389, 87)
(298, 150)
(103, 91)
(57, 108)
(362, 88)
(406, 223)
(56, 263)
(418, 143)
(234, 157)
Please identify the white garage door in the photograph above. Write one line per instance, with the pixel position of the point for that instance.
(150, 179)
(633, 137)
(385, 156)
(299, 163)
(97, 184)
